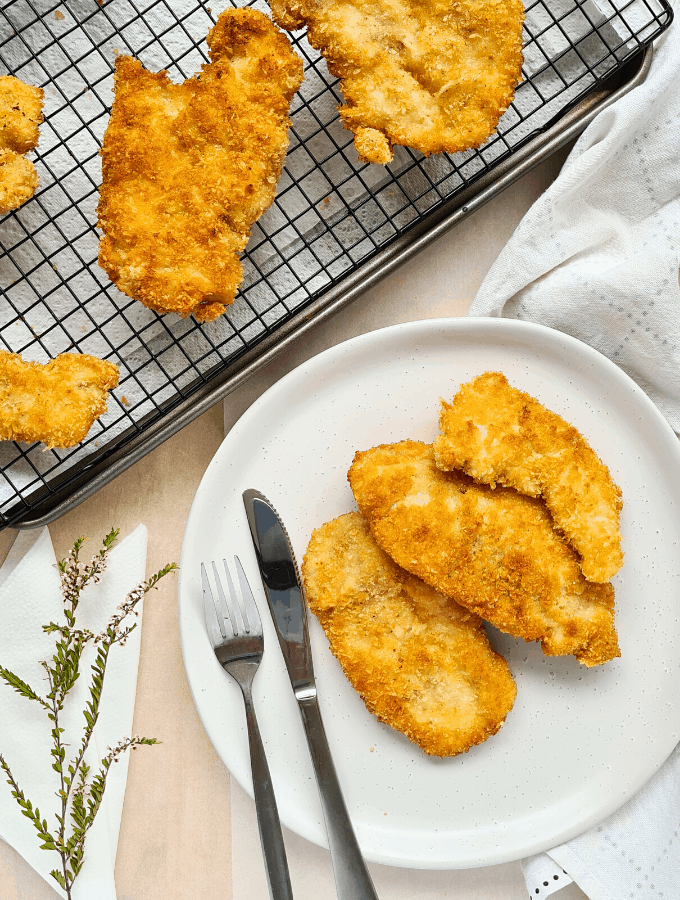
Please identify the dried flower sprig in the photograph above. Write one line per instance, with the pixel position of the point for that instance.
(80, 794)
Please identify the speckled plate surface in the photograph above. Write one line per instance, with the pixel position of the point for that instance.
(579, 742)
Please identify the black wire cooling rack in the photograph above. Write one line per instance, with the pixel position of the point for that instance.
(331, 214)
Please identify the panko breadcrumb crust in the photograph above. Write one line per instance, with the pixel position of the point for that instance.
(55, 403)
(494, 551)
(421, 663)
(20, 117)
(434, 75)
(500, 435)
(188, 168)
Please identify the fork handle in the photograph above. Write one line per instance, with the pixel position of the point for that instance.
(352, 880)
(268, 822)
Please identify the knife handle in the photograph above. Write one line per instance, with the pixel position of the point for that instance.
(352, 881)
(271, 838)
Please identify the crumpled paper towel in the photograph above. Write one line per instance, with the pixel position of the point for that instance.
(597, 257)
(30, 597)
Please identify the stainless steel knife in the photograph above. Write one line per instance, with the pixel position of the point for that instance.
(288, 607)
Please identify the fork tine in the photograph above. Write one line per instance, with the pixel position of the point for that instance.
(212, 620)
(223, 609)
(234, 604)
(254, 624)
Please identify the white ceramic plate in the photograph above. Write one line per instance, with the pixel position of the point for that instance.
(579, 742)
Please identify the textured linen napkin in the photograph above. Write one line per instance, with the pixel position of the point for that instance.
(30, 597)
(597, 257)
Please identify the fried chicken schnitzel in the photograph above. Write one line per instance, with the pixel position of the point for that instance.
(54, 403)
(428, 74)
(20, 116)
(420, 662)
(498, 434)
(493, 550)
(188, 168)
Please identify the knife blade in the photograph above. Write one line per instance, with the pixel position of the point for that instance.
(279, 574)
(286, 600)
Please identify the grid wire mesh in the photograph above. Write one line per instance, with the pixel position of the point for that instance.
(331, 213)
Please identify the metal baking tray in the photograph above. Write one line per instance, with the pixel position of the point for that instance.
(337, 225)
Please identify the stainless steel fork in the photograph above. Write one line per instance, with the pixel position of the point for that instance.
(235, 633)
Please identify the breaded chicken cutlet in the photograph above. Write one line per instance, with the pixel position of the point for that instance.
(500, 435)
(188, 168)
(421, 663)
(432, 75)
(494, 551)
(54, 403)
(20, 116)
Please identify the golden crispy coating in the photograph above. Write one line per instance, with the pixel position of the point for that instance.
(429, 74)
(55, 403)
(498, 434)
(20, 116)
(18, 180)
(420, 662)
(188, 168)
(494, 551)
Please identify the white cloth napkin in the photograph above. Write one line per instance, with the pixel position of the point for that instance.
(30, 597)
(634, 853)
(597, 257)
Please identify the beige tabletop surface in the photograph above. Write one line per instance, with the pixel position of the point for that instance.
(176, 830)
